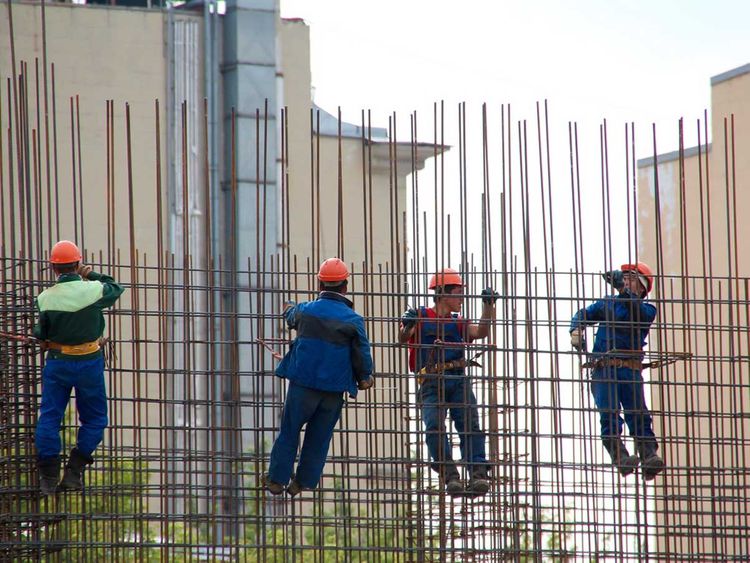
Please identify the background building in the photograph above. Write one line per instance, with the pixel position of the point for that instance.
(692, 225)
(190, 175)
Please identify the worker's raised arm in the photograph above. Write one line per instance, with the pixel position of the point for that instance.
(111, 290)
(591, 315)
(407, 325)
(634, 290)
(482, 328)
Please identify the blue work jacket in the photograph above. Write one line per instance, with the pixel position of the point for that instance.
(331, 351)
(624, 321)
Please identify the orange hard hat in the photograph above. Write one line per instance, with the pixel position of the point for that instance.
(446, 276)
(333, 270)
(645, 274)
(65, 252)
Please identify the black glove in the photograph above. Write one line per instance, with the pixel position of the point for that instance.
(409, 318)
(489, 296)
(615, 278)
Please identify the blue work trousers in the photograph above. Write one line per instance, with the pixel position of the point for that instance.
(439, 396)
(613, 388)
(58, 378)
(320, 411)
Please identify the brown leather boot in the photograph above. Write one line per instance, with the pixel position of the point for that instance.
(294, 488)
(451, 480)
(479, 484)
(651, 464)
(621, 458)
(271, 486)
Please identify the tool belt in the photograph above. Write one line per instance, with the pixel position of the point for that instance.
(74, 349)
(436, 369)
(632, 363)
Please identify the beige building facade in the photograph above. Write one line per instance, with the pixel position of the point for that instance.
(131, 188)
(697, 247)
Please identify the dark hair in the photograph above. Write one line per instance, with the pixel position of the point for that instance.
(70, 268)
(337, 287)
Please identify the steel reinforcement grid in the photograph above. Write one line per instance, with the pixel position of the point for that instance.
(194, 405)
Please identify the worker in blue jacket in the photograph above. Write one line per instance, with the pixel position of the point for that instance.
(330, 356)
(617, 361)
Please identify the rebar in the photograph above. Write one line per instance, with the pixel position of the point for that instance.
(193, 402)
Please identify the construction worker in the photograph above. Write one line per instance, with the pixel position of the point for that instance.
(330, 356)
(624, 320)
(70, 326)
(437, 338)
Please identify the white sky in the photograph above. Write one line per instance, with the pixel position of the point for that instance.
(625, 60)
(641, 61)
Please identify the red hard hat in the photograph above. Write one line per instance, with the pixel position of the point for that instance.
(333, 270)
(65, 252)
(644, 273)
(446, 276)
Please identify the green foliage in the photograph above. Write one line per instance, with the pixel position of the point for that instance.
(333, 534)
(555, 541)
(105, 525)
(334, 539)
(114, 491)
(88, 523)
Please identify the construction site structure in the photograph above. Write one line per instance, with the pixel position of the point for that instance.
(214, 196)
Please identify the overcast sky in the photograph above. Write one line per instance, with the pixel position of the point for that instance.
(625, 60)
(641, 61)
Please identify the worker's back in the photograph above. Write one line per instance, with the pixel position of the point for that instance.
(70, 312)
(331, 350)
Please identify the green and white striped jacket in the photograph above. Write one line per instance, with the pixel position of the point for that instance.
(71, 311)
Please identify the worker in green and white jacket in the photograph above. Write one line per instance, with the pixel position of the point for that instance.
(70, 326)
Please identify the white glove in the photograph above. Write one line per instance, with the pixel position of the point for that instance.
(578, 338)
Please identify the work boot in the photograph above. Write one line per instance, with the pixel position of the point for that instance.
(271, 486)
(621, 458)
(451, 480)
(651, 464)
(49, 473)
(72, 477)
(294, 488)
(479, 483)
